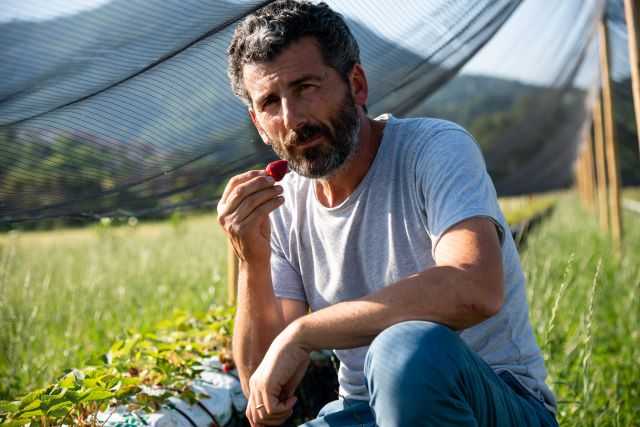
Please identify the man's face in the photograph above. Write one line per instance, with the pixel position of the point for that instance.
(303, 109)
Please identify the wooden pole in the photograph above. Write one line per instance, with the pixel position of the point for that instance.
(591, 184)
(576, 176)
(232, 275)
(613, 169)
(577, 169)
(632, 13)
(580, 177)
(601, 165)
(584, 173)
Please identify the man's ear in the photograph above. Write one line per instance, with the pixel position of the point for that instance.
(359, 85)
(263, 134)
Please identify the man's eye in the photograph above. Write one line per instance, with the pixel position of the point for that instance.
(268, 102)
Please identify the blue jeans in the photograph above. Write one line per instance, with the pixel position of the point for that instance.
(423, 374)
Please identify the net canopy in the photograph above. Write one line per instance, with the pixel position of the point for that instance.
(123, 108)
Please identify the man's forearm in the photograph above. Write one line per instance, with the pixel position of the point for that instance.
(441, 294)
(258, 319)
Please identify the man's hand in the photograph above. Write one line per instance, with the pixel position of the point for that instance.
(273, 384)
(243, 213)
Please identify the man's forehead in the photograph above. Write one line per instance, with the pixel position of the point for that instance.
(300, 58)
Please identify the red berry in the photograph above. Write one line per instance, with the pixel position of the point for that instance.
(278, 169)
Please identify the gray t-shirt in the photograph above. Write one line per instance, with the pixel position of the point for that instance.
(427, 176)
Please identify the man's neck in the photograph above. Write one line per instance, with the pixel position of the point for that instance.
(334, 190)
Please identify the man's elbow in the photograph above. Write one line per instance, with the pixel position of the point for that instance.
(492, 300)
(486, 299)
(492, 306)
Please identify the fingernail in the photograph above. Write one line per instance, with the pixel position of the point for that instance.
(270, 179)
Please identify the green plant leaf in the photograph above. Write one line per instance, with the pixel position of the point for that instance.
(97, 395)
(7, 407)
(30, 397)
(77, 396)
(68, 381)
(31, 414)
(60, 410)
(15, 423)
(32, 405)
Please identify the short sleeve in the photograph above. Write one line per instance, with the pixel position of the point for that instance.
(453, 183)
(287, 282)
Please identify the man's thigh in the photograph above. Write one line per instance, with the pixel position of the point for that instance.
(423, 374)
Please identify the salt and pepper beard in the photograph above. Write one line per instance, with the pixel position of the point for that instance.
(323, 160)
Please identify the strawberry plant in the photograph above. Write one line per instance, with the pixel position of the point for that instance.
(141, 371)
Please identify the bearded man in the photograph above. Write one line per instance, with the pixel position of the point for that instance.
(386, 244)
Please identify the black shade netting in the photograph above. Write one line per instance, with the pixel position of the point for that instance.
(529, 105)
(125, 108)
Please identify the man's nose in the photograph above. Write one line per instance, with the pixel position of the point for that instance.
(292, 114)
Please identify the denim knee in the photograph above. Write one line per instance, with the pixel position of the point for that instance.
(413, 364)
(404, 344)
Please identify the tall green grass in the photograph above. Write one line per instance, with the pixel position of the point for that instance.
(67, 295)
(585, 308)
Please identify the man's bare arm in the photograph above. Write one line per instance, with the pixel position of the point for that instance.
(463, 289)
(260, 317)
(258, 321)
(243, 213)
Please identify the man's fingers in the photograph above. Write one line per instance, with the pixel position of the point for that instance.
(249, 411)
(273, 419)
(270, 402)
(291, 402)
(275, 408)
(237, 195)
(277, 419)
(237, 180)
(254, 415)
(241, 229)
(262, 211)
(255, 200)
(235, 192)
(266, 208)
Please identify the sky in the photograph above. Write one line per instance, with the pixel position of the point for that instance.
(40, 10)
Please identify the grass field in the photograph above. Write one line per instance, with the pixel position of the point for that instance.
(520, 208)
(65, 295)
(585, 308)
(632, 193)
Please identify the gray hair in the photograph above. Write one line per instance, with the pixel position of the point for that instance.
(263, 35)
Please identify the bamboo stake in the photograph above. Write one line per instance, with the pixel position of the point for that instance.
(613, 168)
(601, 165)
(632, 14)
(232, 275)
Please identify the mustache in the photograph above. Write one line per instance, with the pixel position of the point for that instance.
(306, 133)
